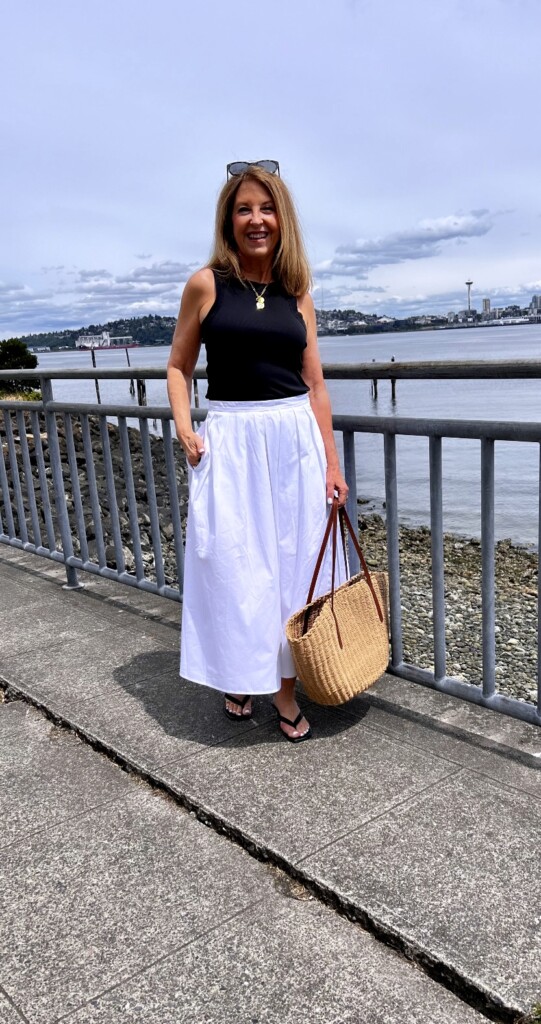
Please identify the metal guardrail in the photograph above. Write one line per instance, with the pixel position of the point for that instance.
(48, 502)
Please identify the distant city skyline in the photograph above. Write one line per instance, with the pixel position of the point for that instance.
(389, 122)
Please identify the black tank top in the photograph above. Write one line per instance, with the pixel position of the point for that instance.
(253, 354)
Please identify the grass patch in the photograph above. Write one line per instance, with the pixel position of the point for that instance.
(23, 395)
(533, 1017)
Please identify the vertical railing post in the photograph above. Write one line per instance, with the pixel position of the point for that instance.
(352, 507)
(58, 485)
(487, 562)
(436, 540)
(393, 549)
(4, 487)
(539, 598)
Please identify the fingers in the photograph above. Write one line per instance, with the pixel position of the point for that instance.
(195, 458)
(194, 450)
(342, 494)
(339, 489)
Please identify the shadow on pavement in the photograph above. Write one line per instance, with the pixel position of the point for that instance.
(194, 713)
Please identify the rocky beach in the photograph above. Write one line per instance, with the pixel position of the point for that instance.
(516, 574)
(516, 568)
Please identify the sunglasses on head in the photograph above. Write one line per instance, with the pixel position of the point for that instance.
(240, 166)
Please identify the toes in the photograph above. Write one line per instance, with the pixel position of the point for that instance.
(236, 710)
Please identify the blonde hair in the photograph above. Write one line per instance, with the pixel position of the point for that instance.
(290, 265)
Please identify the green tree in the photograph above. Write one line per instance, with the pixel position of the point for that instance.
(15, 355)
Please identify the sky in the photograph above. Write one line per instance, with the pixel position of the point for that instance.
(408, 133)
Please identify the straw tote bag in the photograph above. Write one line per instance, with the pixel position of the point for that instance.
(340, 641)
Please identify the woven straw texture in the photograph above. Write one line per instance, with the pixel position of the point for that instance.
(331, 674)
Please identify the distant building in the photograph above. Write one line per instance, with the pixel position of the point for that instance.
(535, 304)
(105, 340)
(486, 305)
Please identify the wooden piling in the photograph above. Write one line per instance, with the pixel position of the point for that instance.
(96, 382)
(132, 382)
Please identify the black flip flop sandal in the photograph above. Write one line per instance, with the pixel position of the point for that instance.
(287, 721)
(241, 703)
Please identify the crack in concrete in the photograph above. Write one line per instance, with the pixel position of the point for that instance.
(474, 995)
(14, 1005)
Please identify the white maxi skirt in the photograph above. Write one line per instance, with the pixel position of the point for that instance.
(256, 518)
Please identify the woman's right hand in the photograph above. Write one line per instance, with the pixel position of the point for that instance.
(194, 448)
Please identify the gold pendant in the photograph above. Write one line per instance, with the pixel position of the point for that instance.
(260, 302)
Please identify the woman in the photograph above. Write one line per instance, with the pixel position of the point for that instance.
(264, 463)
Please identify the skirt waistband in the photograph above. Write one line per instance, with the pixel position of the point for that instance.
(295, 402)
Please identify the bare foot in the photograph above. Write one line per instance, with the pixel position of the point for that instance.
(288, 707)
(235, 708)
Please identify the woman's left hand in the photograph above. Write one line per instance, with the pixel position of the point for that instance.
(336, 482)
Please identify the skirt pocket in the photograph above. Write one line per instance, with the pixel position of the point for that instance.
(199, 495)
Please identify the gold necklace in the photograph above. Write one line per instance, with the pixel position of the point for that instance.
(259, 296)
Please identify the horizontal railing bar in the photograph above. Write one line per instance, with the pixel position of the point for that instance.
(510, 706)
(132, 412)
(128, 579)
(14, 406)
(16, 542)
(450, 369)
(118, 373)
(28, 546)
(506, 430)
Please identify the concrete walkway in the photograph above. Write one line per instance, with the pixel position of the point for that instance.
(413, 814)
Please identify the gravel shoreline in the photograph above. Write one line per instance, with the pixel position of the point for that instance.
(516, 578)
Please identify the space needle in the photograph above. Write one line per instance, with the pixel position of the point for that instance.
(468, 286)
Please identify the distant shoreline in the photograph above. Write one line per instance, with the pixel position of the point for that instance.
(156, 331)
(390, 329)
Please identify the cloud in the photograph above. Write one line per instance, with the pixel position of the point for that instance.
(166, 271)
(8, 291)
(93, 275)
(358, 258)
(95, 296)
(342, 296)
(362, 289)
(143, 255)
(443, 302)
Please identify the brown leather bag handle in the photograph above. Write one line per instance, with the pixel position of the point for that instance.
(332, 525)
(345, 519)
(331, 522)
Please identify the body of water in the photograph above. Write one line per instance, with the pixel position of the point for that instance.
(517, 464)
